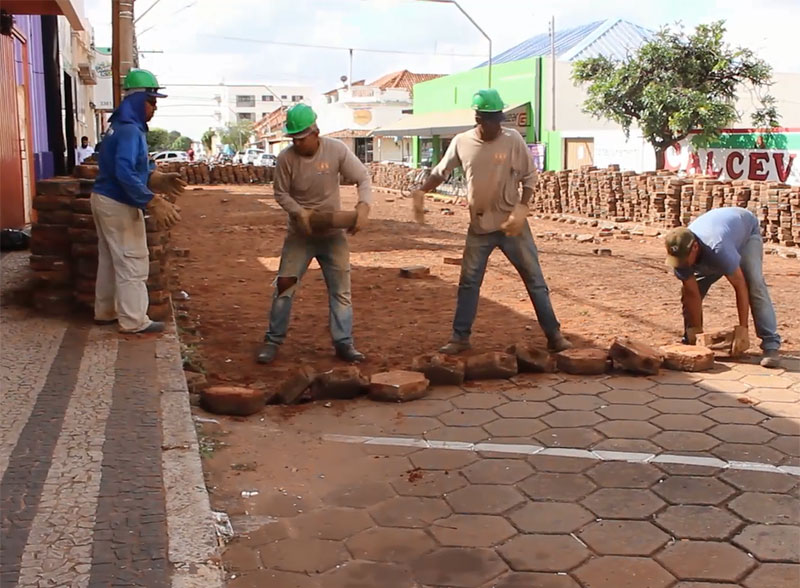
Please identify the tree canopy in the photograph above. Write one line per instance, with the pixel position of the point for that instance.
(237, 134)
(677, 83)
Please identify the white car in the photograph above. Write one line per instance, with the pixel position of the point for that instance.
(251, 155)
(168, 156)
(266, 160)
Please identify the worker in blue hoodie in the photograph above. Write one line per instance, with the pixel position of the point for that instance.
(123, 193)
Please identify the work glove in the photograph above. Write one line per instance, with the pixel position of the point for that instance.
(418, 206)
(362, 216)
(516, 220)
(691, 335)
(166, 183)
(165, 213)
(741, 341)
(302, 220)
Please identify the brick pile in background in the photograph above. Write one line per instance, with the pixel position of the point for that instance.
(64, 250)
(206, 174)
(663, 199)
(394, 176)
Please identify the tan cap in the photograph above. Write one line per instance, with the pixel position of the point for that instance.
(679, 244)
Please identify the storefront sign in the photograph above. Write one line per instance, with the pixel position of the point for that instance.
(104, 90)
(777, 165)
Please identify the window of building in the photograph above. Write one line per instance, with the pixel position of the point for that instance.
(267, 98)
(283, 97)
(297, 98)
(245, 101)
(240, 116)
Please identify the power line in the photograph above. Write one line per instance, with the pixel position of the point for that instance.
(364, 50)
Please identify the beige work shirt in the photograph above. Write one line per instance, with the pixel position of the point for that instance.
(494, 170)
(313, 182)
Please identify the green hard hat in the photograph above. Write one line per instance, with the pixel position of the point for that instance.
(487, 100)
(299, 118)
(142, 80)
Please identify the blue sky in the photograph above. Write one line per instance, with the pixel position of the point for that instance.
(194, 51)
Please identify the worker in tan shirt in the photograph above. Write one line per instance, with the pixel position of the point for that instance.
(306, 180)
(495, 161)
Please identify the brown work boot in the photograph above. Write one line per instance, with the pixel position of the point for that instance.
(557, 342)
(455, 347)
(267, 353)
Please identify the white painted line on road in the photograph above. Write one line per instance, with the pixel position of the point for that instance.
(598, 455)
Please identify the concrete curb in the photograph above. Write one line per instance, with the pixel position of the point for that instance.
(193, 545)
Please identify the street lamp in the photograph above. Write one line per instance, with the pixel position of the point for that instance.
(464, 12)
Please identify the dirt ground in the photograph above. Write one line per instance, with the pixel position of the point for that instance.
(234, 236)
(267, 469)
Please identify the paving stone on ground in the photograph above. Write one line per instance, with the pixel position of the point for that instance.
(698, 522)
(706, 560)
(472, 530)
(623, 572)
(554, 553)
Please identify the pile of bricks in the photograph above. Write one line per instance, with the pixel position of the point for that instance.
(394, 176)
(64, 250)
(665, 200)
(201, 173)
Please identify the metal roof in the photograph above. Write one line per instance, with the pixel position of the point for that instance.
(612, 38)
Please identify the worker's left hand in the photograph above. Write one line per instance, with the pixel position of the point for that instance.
(166, 183)
(741, 341)
(516, 220)
(362, 216)
(164, 212)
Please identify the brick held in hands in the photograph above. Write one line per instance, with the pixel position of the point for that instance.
(398, 386)
(490, 366)
(687, 358)
(635, 356)
(64, 186)
(440, 369)
(583, 361)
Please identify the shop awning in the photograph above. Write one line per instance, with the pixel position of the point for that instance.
(448, 122)
(65, 8)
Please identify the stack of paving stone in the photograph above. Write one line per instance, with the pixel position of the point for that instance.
(794, 213)
(390, 175)
(198, 173)
(64, 250)
(50, 244)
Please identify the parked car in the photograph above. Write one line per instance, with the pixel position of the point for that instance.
(266, 160)
(238, 157)
(251, 155)
(167, 156)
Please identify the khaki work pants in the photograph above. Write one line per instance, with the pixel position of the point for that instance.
(122, 264)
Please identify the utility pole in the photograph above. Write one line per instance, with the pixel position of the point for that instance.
(121, 44)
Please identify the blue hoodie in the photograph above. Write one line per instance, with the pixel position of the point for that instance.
(124, 165)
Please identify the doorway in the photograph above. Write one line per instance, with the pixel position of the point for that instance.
(578, 152)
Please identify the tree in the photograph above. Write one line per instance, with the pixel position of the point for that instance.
(208, 139)
(677, 83)
(237, 134)
(182, 143)
(158, 139)
(173, 136)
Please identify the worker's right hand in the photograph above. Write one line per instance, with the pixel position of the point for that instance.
(418, 205)
(165, 213)
(741, 341)
(166, 183)
(302, 220)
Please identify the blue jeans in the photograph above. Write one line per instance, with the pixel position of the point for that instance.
(760, 303)
(333, 255)
(521, 252)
